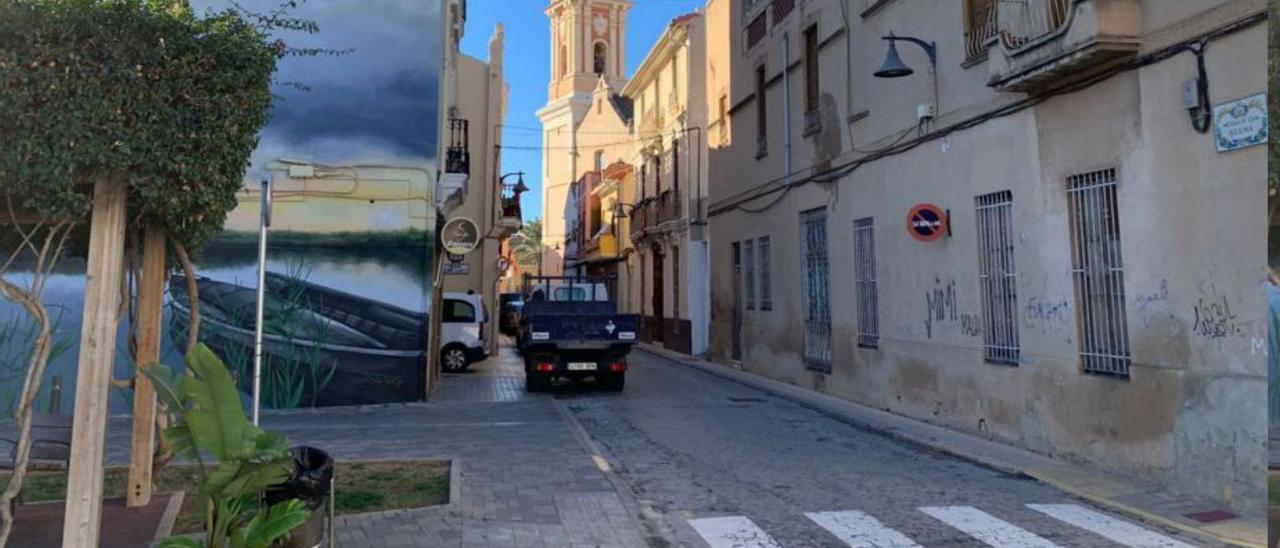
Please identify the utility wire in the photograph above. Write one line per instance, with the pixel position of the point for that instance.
(1201, 41)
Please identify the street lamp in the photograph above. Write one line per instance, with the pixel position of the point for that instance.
(893, 66)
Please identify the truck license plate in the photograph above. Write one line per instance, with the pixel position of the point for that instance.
(582, 366)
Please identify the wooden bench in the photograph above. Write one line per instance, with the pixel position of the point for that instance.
(50, 446)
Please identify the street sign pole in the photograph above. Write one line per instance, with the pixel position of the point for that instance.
(264, 224)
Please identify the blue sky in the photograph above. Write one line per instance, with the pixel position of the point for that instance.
(528, 68)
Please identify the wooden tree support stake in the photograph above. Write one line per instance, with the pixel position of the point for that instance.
(150, 320)
(103, 272)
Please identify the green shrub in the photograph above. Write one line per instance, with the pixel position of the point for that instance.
(140, 90)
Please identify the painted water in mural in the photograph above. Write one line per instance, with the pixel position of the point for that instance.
(350, 153)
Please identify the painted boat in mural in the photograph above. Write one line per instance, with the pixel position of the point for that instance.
(321, 346)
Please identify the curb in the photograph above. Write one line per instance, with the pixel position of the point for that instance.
(816, 401)
(606, 466)
(170, 516)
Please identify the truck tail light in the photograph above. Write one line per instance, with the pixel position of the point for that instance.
(619, 367)
(545, 367)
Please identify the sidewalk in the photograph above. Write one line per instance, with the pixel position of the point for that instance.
(524, 479)
(1119, 493)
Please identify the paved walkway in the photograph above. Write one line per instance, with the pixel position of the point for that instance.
(526, 480)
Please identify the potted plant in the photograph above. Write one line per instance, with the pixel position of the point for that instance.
(211, 430)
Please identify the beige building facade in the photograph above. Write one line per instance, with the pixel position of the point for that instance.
(1053, 240)
(666, 220)
(474, 104)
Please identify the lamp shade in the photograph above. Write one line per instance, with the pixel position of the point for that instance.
(893, 66)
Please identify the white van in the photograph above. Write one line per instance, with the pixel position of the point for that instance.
(462, 331)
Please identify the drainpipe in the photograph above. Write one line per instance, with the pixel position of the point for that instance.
(786, 110)
(848, 71)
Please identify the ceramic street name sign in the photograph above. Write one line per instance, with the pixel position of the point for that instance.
(1241, 123)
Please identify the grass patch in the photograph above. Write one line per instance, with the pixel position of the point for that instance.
(1273, 489)
(361, 487)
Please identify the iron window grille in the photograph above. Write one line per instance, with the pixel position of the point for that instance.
(997, 277)
(1098, 273)
(864, 272)
(749, 272)
(817, 326)
(766, 279)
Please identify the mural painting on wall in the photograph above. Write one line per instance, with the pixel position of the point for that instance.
(350, 152)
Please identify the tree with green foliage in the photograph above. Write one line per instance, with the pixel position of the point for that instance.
(142, 93)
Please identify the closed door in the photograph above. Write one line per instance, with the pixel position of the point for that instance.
(658, 293)
(737, 301)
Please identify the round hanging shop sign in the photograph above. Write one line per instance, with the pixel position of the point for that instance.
(460, 236)
(926, 222)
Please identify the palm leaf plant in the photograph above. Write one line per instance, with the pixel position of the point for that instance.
(526, 245)
(212, 431)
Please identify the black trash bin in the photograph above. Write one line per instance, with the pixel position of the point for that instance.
(310, 482)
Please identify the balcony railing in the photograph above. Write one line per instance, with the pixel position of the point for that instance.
(457, 158)
(1023, 21)
(782, 8)
(1043, 43)
(651, 122)
(757, 30)
(510, 206)
(983, 25)
(643, 216)
(670, 207)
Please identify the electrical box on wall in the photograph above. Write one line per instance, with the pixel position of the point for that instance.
(924, 111)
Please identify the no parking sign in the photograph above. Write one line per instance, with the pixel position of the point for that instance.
(926, 222)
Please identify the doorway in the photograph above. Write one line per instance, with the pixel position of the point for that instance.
(659, 290)
(736, 351)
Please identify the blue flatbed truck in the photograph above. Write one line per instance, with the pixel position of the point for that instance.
(570, 328)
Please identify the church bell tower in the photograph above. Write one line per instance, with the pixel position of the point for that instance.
(588, 40)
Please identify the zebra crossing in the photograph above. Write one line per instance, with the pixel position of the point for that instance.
(862, 530)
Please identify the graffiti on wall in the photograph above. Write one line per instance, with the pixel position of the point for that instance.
(941, 308)
(1046, 313)
(1214, 318)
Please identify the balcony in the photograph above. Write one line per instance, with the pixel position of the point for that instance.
(457, 158)
(643, 216)
(1039, 44)
(452, 189)
(510, 218)
(651, 122)
(670, 208)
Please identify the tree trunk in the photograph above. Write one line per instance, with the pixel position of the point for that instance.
(31, 387)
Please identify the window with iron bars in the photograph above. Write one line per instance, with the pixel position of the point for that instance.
(749, 262)
(1098, 273)
(817, 325)
(997, 277)
(864, 273)
(766, 281)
